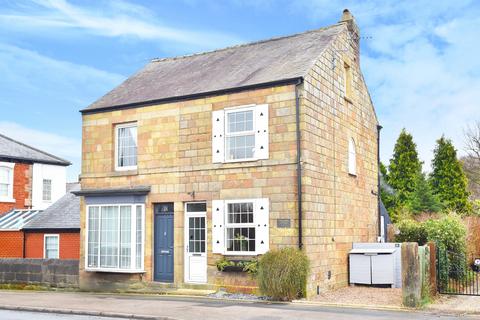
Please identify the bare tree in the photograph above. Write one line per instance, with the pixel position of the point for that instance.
(471, 163)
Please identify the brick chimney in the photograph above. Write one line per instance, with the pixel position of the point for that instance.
(352, 27)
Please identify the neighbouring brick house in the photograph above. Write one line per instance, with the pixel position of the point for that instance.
(53, 233)
(231, 153)
(29, 178)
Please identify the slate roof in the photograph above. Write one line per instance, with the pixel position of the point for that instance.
(14, 150)
(248, 65)
(62, 214)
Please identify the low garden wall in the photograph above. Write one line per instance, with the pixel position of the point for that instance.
(43, 272)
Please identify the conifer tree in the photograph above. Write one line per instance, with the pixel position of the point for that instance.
(447, 179)
(404, 167)
(422, 198)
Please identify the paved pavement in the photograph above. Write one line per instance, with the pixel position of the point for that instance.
(188, 308)
(22, 315)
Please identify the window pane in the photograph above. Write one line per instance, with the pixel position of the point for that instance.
(109, 237)
(241, 239)
(125, 237)
(93, 232)
(4, 175)
(240, 121)
(240, 212)
(5, 181)
(240, 147)
(47, 190)
(127, 146)
(3, 190)
(139, 238)
(51, 247)
(197, 207)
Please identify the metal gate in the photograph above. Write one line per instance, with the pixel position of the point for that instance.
(458, 273)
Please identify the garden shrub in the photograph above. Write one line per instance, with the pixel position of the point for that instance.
(411, 231)
(282, 274)
(448, 233)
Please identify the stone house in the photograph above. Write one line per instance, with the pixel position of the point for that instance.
(231, 153)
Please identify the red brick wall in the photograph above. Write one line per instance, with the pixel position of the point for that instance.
(11, 244)
(69, 245)
(22, 185)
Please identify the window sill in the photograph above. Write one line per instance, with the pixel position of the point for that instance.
(239, 254)
(107, 270)
(121, 173)
(353, 175)
(9, 200)
(241, 160)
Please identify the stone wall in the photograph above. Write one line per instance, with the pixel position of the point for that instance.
(339, 208)
(49, 272)
(174, 157)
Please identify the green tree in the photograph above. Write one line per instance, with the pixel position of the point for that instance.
(422, 198)
(447, 179)
(404, 167)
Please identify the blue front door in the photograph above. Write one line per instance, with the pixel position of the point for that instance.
(163, 247)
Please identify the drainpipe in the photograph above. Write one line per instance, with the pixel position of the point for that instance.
(299, 164)
(379, 127)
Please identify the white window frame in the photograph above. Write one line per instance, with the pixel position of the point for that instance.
(239, 134)
(239, 225)
(11, 167)
(43, 190)
(123, 126)
(352, 157)
(48, 235)
(133, 238)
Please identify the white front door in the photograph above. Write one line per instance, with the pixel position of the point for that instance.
(195, 242)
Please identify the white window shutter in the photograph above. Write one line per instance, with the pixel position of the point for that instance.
(218, 227)
(218, 136)
(261, 131)
(262, 226)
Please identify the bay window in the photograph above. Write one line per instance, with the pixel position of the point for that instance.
(115, 236)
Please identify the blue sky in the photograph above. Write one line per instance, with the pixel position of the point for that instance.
(420, 58)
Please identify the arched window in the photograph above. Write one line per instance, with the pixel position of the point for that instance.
(6, 181)
(352, 158)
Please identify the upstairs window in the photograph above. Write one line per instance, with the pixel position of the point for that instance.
(240, 134)
(51, 246)
(352, 158)
(47, 190)
(126, 146)
(6, 181)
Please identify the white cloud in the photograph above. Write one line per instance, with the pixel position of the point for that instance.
(60, 146)
(110, 19)
(49, 80)
(421, 66)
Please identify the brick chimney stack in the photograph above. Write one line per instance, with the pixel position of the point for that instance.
(352, 27)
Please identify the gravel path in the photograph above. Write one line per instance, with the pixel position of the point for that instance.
(363, 295)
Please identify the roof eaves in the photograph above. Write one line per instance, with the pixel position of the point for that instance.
(191, 96)
(60, 160)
